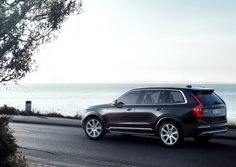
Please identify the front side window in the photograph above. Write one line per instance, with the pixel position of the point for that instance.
(130, 97)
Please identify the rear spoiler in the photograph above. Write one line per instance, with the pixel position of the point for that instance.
(203, 90)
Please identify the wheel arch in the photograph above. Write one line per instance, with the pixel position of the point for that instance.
(169, 119)
(91, 115)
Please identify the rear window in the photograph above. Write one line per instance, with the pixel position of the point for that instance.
(209, 98)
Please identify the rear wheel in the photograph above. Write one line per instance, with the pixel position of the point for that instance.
(170, 134)
(202, 139)
(94, 128)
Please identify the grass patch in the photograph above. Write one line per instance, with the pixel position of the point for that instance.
(6, 110)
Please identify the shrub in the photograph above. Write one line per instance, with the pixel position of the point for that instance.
(54, 114)
(6, 110)
(9, 156)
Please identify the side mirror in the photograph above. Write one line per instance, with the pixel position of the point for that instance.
(114, 103)
(118, 104)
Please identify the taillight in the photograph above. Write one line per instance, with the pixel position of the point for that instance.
(197, 111)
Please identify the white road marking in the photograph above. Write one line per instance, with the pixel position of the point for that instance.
(21, 130)
(35, 164)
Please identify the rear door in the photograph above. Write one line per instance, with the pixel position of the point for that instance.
(213, 107)
(159, 102)
(150, 106)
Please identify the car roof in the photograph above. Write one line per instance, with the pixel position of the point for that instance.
(188, 87)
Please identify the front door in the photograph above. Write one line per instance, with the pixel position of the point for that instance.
(120, 116)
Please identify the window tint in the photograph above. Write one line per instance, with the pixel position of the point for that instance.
(209, 99)
(174, 97)
(130, 98)
(153, 97)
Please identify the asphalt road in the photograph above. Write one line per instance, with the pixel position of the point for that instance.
(69, 147)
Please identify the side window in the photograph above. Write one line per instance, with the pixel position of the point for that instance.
(152, 97)
(130, 97)
(174, 97)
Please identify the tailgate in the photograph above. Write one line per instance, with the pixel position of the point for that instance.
(213, 107)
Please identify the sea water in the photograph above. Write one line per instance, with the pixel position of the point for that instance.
(71, 99)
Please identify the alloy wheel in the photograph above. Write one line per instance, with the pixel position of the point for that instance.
(93, 128)
(169, 134)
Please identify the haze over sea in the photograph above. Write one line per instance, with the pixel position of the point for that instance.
(70, 99)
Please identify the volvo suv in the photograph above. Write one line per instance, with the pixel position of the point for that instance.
(170, 113)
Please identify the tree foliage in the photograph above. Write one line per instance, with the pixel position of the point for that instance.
(26, 24)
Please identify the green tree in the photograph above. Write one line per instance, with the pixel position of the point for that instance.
(26, 24)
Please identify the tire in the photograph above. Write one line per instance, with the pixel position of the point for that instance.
(94, 128)
(202, 139)
(170, 134)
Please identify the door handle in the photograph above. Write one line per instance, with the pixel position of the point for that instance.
(129, 109)
(158, 109)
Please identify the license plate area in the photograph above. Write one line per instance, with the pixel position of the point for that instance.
(214, 112)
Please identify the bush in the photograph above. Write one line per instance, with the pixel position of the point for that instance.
(9, 110)
(54, 114)
(9, 156)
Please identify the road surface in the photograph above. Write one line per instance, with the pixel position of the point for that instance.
(59, 146)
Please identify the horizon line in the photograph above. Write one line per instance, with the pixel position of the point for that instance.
(181, 83)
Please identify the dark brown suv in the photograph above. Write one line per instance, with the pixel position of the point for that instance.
(171, 113)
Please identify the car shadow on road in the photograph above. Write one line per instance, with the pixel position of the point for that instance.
(189, 143)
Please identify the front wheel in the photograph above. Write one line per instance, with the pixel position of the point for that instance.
(170, 134)
(94, 128)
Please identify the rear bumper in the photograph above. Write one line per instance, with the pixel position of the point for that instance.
(213, 132)
(204, 130)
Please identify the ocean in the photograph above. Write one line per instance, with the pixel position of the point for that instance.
(71, 99)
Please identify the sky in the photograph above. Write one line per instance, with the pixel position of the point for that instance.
(143, 41)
